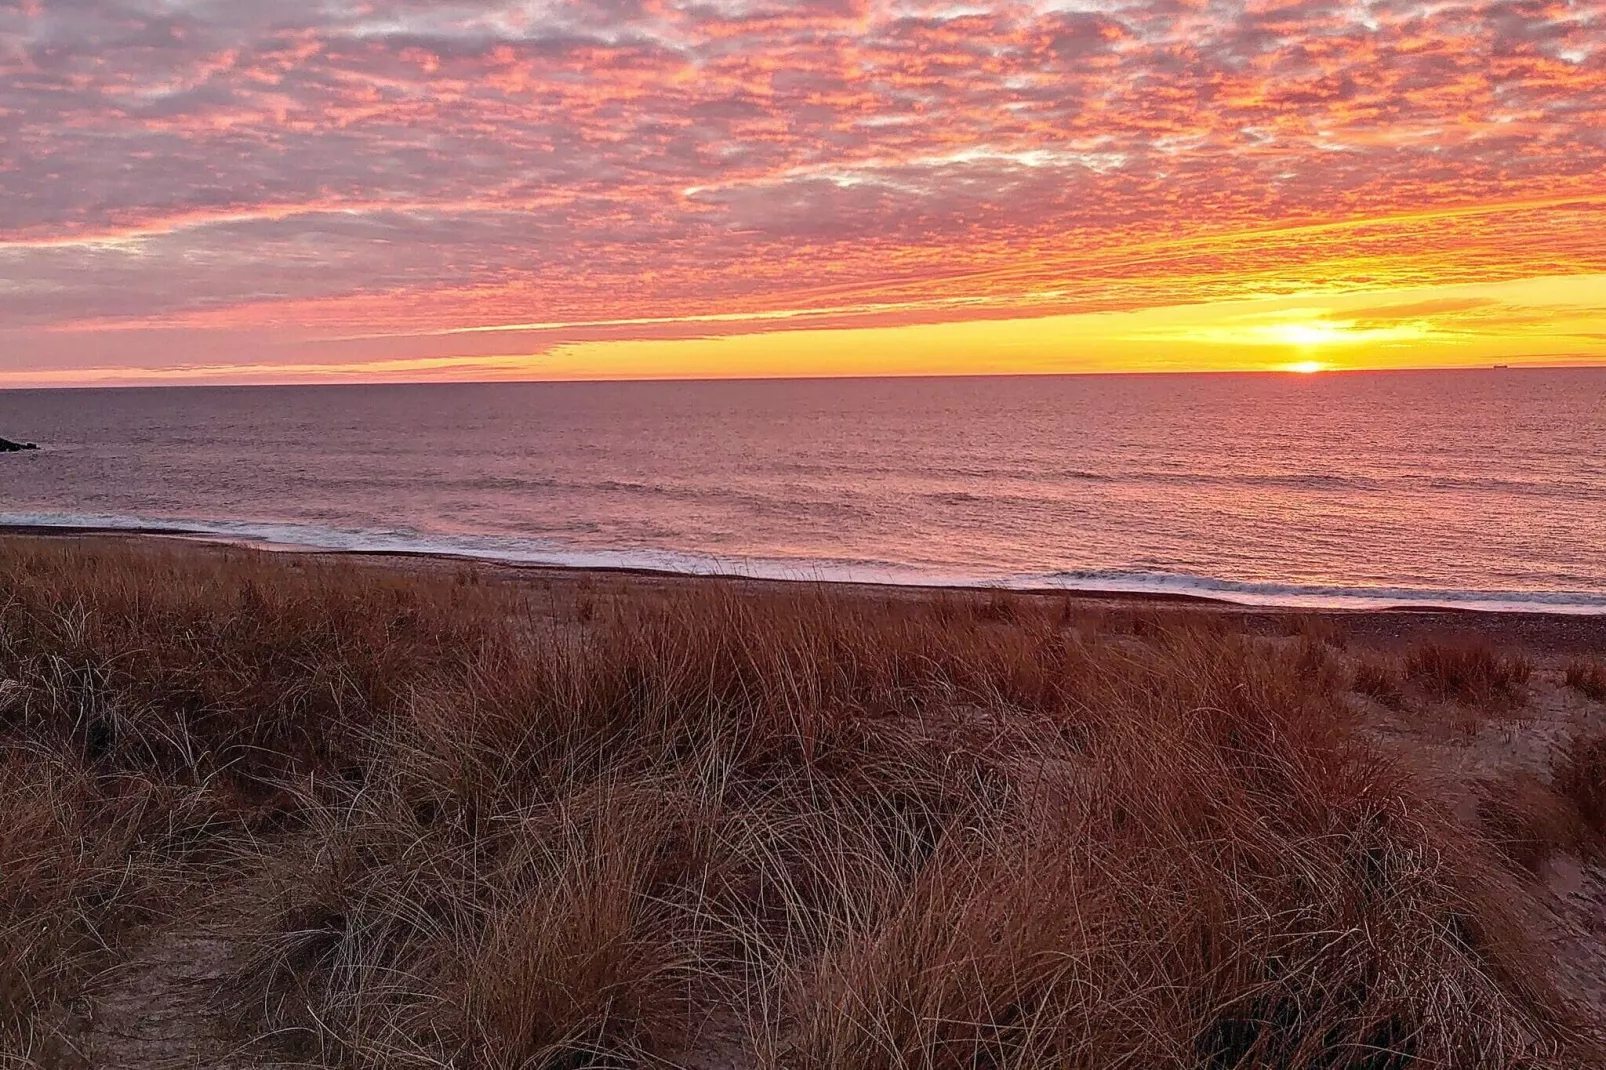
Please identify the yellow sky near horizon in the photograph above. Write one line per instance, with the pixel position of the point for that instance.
(1560, 320)
(1554, 320)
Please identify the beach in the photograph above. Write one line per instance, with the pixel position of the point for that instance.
(298, 808)
(1565, 631)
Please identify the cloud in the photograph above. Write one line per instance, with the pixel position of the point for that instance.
(445, 164)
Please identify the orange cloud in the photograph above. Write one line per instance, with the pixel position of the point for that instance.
(640, 170)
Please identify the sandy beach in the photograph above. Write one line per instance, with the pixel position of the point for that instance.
(1548, 635)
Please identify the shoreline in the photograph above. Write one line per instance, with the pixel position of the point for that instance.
(401, 558)
(1092, 584)
(1544, 632)
(1021, 586)
(1264, 596)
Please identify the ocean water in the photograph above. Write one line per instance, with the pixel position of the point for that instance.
(1484, 489)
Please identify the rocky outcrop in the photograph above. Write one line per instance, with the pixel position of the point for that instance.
(8, 446)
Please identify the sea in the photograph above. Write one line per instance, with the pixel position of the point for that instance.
(1477, 489)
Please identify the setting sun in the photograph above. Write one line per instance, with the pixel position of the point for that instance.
(1305, 367)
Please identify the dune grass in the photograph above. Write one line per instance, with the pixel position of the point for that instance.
(1470, 671)
(1588, 675)
(1378, 677)
(497, 826)
(1580, 776)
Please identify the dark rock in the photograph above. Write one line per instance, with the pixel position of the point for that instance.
(8, 446)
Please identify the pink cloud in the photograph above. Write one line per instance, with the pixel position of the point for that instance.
(448, 163)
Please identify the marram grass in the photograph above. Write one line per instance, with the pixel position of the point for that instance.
(508, 826)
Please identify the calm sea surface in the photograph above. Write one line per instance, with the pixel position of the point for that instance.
(1477, 488)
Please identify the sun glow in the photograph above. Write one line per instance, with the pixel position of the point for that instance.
(1550, 320)
(1316, 333)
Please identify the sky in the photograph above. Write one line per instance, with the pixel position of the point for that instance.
(323, 190)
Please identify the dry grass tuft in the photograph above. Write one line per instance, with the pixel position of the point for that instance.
(1317, 629)
(1469, 670)
(506, 827)
(1529, 820)
(1580, 775)
(1379, 677)
(1588, 676)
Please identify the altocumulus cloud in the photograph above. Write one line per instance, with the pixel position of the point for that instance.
(423, 165)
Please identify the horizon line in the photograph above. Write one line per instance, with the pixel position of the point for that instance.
(1296, 373)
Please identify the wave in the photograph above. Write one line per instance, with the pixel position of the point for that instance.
(1570, 490)
(1313, 596)
(526, 550)
(510, 549)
